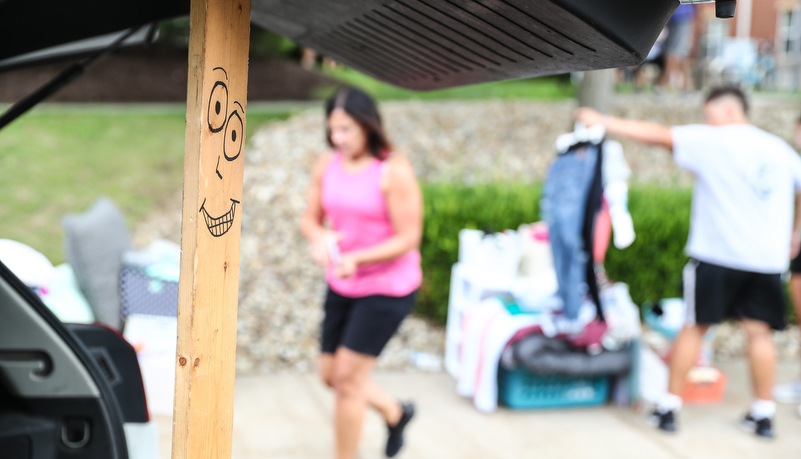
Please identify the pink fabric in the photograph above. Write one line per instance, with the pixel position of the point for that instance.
(539, 232)
(483, 345)
(591, 335)
(356, 207)
(523, 333)
(603, 233)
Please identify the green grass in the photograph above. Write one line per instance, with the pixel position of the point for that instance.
(58, 159)
(531, 88)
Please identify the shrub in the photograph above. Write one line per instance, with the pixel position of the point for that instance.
(651, 266)
(448, 209)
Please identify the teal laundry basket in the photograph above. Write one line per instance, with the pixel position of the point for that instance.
(521, 389)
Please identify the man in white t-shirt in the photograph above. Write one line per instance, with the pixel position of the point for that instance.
(743, 231)
(791, 392)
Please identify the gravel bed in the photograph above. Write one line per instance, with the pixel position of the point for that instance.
(281, 290)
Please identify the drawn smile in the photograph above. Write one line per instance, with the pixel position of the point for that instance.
(219, 225)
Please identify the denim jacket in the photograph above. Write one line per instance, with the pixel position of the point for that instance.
(570, 200)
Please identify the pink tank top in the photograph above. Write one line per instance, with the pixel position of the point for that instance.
(356, 206)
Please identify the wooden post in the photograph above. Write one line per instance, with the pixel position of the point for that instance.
(210, 231)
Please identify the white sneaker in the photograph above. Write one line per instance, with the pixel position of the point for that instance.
(788, 393)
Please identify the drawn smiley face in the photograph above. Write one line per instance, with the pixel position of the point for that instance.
(228, 120)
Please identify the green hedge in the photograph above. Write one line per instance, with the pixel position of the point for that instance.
(651, 266)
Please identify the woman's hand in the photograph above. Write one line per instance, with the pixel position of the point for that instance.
(347, 265)
(324, 249)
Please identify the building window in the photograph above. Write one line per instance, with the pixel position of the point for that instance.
(712, 42)
(788, 33)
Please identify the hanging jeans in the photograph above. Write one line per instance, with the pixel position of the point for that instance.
(570, 200)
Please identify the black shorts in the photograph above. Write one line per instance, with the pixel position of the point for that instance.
(795, 265)
(364, 324)
(714, 293)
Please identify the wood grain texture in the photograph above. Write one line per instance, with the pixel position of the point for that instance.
(214, 160)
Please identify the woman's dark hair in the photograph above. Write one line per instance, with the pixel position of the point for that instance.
(362, 108)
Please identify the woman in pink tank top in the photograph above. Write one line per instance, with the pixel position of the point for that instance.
(364, 220)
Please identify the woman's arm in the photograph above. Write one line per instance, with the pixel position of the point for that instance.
(405, 207)
(311, 224)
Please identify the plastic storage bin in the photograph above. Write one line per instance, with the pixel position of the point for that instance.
(521, 389)
(143, 294)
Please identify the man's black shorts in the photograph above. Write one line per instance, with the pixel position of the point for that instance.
(714, 293)
(364, 324)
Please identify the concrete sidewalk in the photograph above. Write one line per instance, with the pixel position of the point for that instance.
(290, 416)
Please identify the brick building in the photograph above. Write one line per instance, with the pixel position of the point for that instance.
(761, 46)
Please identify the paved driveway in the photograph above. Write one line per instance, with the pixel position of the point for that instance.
(289, 416)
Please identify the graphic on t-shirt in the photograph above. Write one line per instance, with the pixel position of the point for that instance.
(763, 180)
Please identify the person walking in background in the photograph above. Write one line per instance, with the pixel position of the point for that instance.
(791, 392)
(364, 220)
(650, 72)
(743, 226)
(678, 45)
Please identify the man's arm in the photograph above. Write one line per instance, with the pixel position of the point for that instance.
(641, 131)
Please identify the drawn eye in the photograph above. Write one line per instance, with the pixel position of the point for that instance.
(218, 107)
(234, 136)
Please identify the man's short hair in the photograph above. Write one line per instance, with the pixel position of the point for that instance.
(728, 91)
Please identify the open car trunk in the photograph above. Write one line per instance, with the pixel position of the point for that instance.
(66, 391)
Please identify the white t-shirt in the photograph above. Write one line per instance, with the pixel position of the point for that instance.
(743, 201)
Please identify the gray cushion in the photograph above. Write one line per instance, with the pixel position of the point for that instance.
(94, 242)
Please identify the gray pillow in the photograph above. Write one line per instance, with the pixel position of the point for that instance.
(94, 242)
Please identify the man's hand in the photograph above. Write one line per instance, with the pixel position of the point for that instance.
(641, 131)
(795, 245)
(589, 116)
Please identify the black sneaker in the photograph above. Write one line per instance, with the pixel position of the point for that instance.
(664, 421)
(395, 439)
(761, 427)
